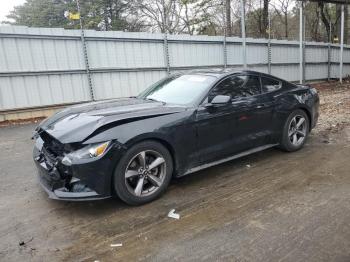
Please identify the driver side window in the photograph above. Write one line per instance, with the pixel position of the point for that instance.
(237, 86)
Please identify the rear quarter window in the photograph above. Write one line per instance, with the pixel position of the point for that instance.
(270, 85)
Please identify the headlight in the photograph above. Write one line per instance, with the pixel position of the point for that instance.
(98, 150)
(90, 151)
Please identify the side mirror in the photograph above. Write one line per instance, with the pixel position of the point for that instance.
(220, 100)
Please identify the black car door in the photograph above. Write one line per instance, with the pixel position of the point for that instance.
(253, 126)
(235, 127)
(213, 127)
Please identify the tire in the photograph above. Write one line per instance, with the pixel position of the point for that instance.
(295, 134)
(136, 180)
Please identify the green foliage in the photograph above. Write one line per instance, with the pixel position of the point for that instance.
(40, 13)
(98, 14)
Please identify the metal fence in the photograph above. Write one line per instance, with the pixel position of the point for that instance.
(46, 66)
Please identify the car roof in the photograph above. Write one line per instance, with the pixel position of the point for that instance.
(219, 72)
(222, 72)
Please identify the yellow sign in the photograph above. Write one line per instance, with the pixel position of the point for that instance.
(75, 16)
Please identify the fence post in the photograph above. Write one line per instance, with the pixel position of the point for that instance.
(304, 56)
(329, 53)
(166, 53)
(269, 57)
(341, 45)
(269, 45)
(225, 51)
(224, 9)
(86, 58)
(301, 51)
(329, 63)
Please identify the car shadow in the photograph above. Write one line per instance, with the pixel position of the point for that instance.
(231, 168)
(171, 197)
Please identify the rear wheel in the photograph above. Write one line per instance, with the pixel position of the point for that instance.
(295, 131)
(143, 173)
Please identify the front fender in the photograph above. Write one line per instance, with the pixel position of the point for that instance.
(175, 130)
(162, 126)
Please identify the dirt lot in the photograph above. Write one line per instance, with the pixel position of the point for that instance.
(283, 207)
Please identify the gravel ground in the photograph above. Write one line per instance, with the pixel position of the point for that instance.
(270, 206)
(334, 107)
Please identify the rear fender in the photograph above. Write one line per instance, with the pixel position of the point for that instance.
(299, 98)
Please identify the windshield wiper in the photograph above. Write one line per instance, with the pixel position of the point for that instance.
(154, 100)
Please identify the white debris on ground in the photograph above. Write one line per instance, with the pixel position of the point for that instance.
(174, 215)
(117, 245)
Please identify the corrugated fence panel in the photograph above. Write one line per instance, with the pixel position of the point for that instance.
(347, 70)
(185, 51)
(184, 54)
(46, 66)
(123, 84)
(287, 72)
(40, 55)
(316, 58)
(26, 53)
(316, 54)
(257, 54)
(315, 71)
(335, 51)
(346, 55)
(284, 53)
(40, 90)
(234, 53)
(124, 54)
(335, 55)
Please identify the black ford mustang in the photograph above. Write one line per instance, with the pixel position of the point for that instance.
(131, 147)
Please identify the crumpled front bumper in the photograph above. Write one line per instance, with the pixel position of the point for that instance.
(56, 188)
(83, 182)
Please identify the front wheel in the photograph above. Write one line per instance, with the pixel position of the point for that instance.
(143, 173)
(295, 131)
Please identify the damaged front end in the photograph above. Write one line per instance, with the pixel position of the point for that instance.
(74, 171)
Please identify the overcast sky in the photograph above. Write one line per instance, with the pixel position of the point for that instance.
(6, 6)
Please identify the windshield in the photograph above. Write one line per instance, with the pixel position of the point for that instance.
(181, 90)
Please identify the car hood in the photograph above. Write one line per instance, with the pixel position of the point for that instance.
(76, 123)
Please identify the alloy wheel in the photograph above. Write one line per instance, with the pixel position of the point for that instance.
(145, 173)
(297, 130)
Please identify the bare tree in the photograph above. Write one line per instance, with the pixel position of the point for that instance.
(192, 15)
(282, 8)
(160, 14)
(265, 17)
(327, 20)
(257, 17)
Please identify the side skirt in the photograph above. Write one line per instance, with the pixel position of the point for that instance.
(244, 153)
